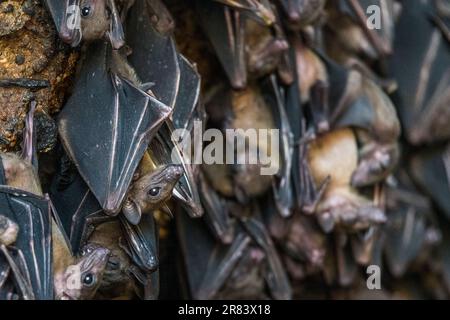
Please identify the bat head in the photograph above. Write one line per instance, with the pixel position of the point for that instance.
(303, 11)
(91, 20)
(81, 281)
(8, 231)
(151, 191)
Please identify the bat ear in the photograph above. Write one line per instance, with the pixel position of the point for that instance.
(132, 212)
(115, 33)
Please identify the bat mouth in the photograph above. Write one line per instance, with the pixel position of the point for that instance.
(66, 296)
(174, 172)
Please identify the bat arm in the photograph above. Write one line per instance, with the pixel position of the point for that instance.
(22, 282)
(29, 137)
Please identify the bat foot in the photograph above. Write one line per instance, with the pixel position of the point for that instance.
(375, 165)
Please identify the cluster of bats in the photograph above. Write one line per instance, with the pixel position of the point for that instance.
(343, 97)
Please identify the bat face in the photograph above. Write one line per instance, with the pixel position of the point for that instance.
(151, 191)
(87, 19)
(94, 19)
(87, 278)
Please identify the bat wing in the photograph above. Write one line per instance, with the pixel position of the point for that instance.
(142, 240)
(420, 51)
(216, 212)
(225, 29)
(74, 203)
(106, 127)
(57, 9)
(208, 263)
(283, 190)
(277, 279)
(406, 229)
(31, 255)
(163, 149)
(158, 63)
(430, 171)
(154, 56)
(188, 94)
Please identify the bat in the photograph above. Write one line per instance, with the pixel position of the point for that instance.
(158, 63)
(212, 266)
(301, 13)
(30, 256)
(119, 117)
(406, 229)
(430, 171)
(260, 10)
(282, 186)
(225, 29)
(420, 52)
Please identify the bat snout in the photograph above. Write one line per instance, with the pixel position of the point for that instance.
(174, 172)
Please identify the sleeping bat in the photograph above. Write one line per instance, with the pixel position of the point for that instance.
(337, 97)
(341, 205)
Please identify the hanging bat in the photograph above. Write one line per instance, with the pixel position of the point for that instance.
(80, 210)
(430, 171)
(346, 98)
(39, 253)
(26, 245)
(158, 63)
(244, 47)
(418, 64)
(341, 205)
(216, 270)
(216, 215)
(354, 18)
(282, 185)
(407, 228)
(118, 116)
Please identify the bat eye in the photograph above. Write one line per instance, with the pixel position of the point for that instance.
(88, 279)
(154, 191)
(85, 11)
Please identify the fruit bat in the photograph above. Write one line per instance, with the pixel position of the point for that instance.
(107, 124)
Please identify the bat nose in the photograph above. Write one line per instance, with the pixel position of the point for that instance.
(175, 172)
